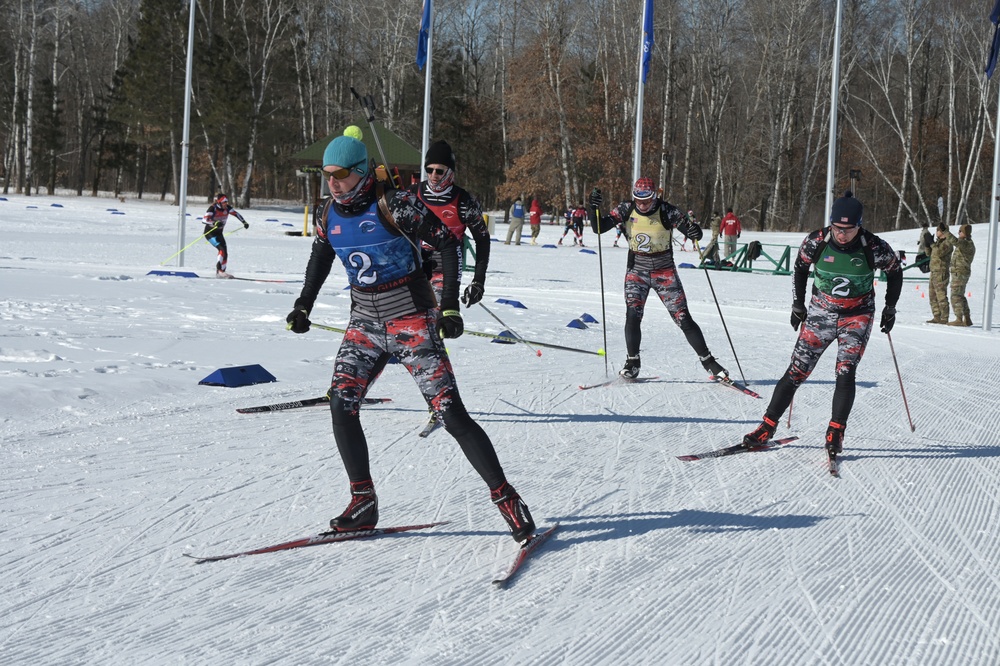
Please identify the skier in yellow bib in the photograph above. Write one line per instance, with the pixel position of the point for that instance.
(649, 223)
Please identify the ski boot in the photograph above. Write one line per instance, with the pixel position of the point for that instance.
(835, 438)
(713, 367)
(762, 435)
(361, 513)
(631, 369)
(514, 511)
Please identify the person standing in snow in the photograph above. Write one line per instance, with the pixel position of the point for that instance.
(535, 215)
(516, 221)
(712, 251)
(937, 286)
(459, 211)
(924, 245)
(375, 232)
(961, 271)
(844, 257)
(730, 228)
(649, 224)
(215, 221)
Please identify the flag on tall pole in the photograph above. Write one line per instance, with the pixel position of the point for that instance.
(425, 34)
(645, 56)
(991, 60)
(647, 37)
(425, 46)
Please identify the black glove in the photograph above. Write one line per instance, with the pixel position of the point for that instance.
(690, 229)
(449, 323)
(246, 225)
(473, 294)
(888, 318)
(298, 320)
(798, 314)
(596, 199)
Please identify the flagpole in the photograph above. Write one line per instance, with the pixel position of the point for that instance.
(991, 264)
(185, 141)
(637, 146)
(425, 143)
(831, 158)
(640, 93)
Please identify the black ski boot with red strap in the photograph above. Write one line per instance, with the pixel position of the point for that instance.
(361, 513)
(514, 511)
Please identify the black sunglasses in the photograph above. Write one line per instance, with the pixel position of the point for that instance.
(432, 170)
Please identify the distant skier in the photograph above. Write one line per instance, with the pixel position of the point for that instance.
(375, 232)
(649, 224)
(844, 257)
(570, 217)
(215, 221)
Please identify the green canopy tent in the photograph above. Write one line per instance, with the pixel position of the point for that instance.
(399, 153)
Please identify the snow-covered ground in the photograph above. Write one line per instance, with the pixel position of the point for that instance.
(116, 463)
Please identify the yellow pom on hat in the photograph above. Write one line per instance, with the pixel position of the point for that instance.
(354, 132)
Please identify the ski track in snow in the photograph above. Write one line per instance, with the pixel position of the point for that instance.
(116, 463)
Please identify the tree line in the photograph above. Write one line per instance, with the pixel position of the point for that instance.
(536, 97)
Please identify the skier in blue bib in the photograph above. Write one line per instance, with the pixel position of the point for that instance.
(376, 232)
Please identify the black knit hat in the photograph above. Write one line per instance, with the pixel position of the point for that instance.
(439, 152)
(847, 210)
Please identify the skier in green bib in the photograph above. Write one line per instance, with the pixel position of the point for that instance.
(844, 257)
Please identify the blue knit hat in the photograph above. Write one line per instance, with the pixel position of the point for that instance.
(348, 152)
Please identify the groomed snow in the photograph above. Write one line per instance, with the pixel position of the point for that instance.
(116, 464)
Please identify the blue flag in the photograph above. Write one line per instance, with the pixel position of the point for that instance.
(647, 38)
(991, 62)
(425, 28)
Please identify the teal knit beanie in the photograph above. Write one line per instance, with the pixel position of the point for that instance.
(348, 152)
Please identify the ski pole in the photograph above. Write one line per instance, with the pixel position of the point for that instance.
(538, 352)
(719, 308)
(368, 106)
(913, 428)
(187, 246)
(600, 264)
(547, 345)
(492, 336)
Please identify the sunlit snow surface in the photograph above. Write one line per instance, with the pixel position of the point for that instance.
(116, 463)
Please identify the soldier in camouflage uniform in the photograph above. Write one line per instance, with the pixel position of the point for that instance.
(844, 258)
(375, 232)
(924, 245)
(712, 250)
(961, 270)
(937, 288)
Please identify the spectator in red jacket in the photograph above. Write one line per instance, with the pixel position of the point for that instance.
(535, 219)
(730, 229)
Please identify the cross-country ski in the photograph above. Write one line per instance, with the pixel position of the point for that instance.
(322, 401)
(316, 540)
(737, 448)
(523, 553)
